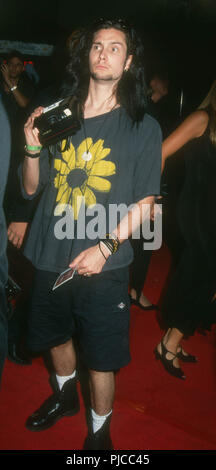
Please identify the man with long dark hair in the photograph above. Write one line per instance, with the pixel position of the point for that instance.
(113, 159)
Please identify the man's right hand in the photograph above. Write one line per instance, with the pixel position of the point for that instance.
(16, 232)
(31, 132)
(6, 76)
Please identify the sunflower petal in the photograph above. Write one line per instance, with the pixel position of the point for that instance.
(64, 169)
(63, 188)
(103, 168)
(99, 152)
(77, 199)
(90, 198)
(59, 180)
(63, 145)
(57, 164)
(99, 184)
(69, 157)
(64, 201)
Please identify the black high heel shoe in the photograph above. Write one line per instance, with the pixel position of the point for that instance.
(168, 363)
(186, 357)
(143, 307)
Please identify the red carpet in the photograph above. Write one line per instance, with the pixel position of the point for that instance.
(152, 409)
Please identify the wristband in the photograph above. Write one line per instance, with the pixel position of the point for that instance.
(31, 155)
(13, 88)
(31, 148)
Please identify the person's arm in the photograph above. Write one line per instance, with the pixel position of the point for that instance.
(31, 169)
(135, 217)
(21, 100)
(12, 86)
(91, 261)
(192, 127)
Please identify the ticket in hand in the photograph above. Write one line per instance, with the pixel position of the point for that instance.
(64, 277)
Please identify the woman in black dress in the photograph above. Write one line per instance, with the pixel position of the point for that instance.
(189, 302)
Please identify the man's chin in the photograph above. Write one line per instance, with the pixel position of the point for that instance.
(97, 76)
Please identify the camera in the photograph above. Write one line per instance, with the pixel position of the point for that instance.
(11, 289)
(57, 122)
(11, 292)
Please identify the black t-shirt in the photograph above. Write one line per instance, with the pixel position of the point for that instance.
(16, 114)
(27, 88)
(109, 164)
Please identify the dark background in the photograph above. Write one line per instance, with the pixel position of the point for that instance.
(179, 35)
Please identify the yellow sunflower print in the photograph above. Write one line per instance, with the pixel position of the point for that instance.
(80, 172)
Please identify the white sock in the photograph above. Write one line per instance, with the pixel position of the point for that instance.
(61, 379)
(98, 420)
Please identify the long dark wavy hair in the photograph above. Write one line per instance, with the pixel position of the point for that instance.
(131, 88)
(209, 104)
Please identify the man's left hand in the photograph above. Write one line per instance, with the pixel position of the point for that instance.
(90, 261)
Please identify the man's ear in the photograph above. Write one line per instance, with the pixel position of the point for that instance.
(128, 62)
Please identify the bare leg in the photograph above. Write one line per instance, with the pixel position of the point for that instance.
(64, 358)
(133, 294)
(102, 387)
(173, 340)
(144, 301)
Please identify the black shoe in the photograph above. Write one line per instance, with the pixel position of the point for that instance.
(186, 357)
(168, 363)
(64, 402)
(15, 354)
(143, 307)
(101, 439)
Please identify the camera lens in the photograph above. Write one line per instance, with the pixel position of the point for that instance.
(52, 119)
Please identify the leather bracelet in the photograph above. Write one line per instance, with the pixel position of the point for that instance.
(111, 243)
(106, 258)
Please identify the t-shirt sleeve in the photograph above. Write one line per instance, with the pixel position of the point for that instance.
(43, 176)
(147, 173)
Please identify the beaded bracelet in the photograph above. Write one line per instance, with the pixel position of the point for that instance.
(114, 238)
(111, 242)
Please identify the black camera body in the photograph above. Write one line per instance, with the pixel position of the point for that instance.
(56, 123)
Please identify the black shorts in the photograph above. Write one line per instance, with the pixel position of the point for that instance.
(95, 310)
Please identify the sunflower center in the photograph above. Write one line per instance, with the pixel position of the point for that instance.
(76, 177)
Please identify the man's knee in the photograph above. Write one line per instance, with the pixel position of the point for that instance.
(62, 347)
